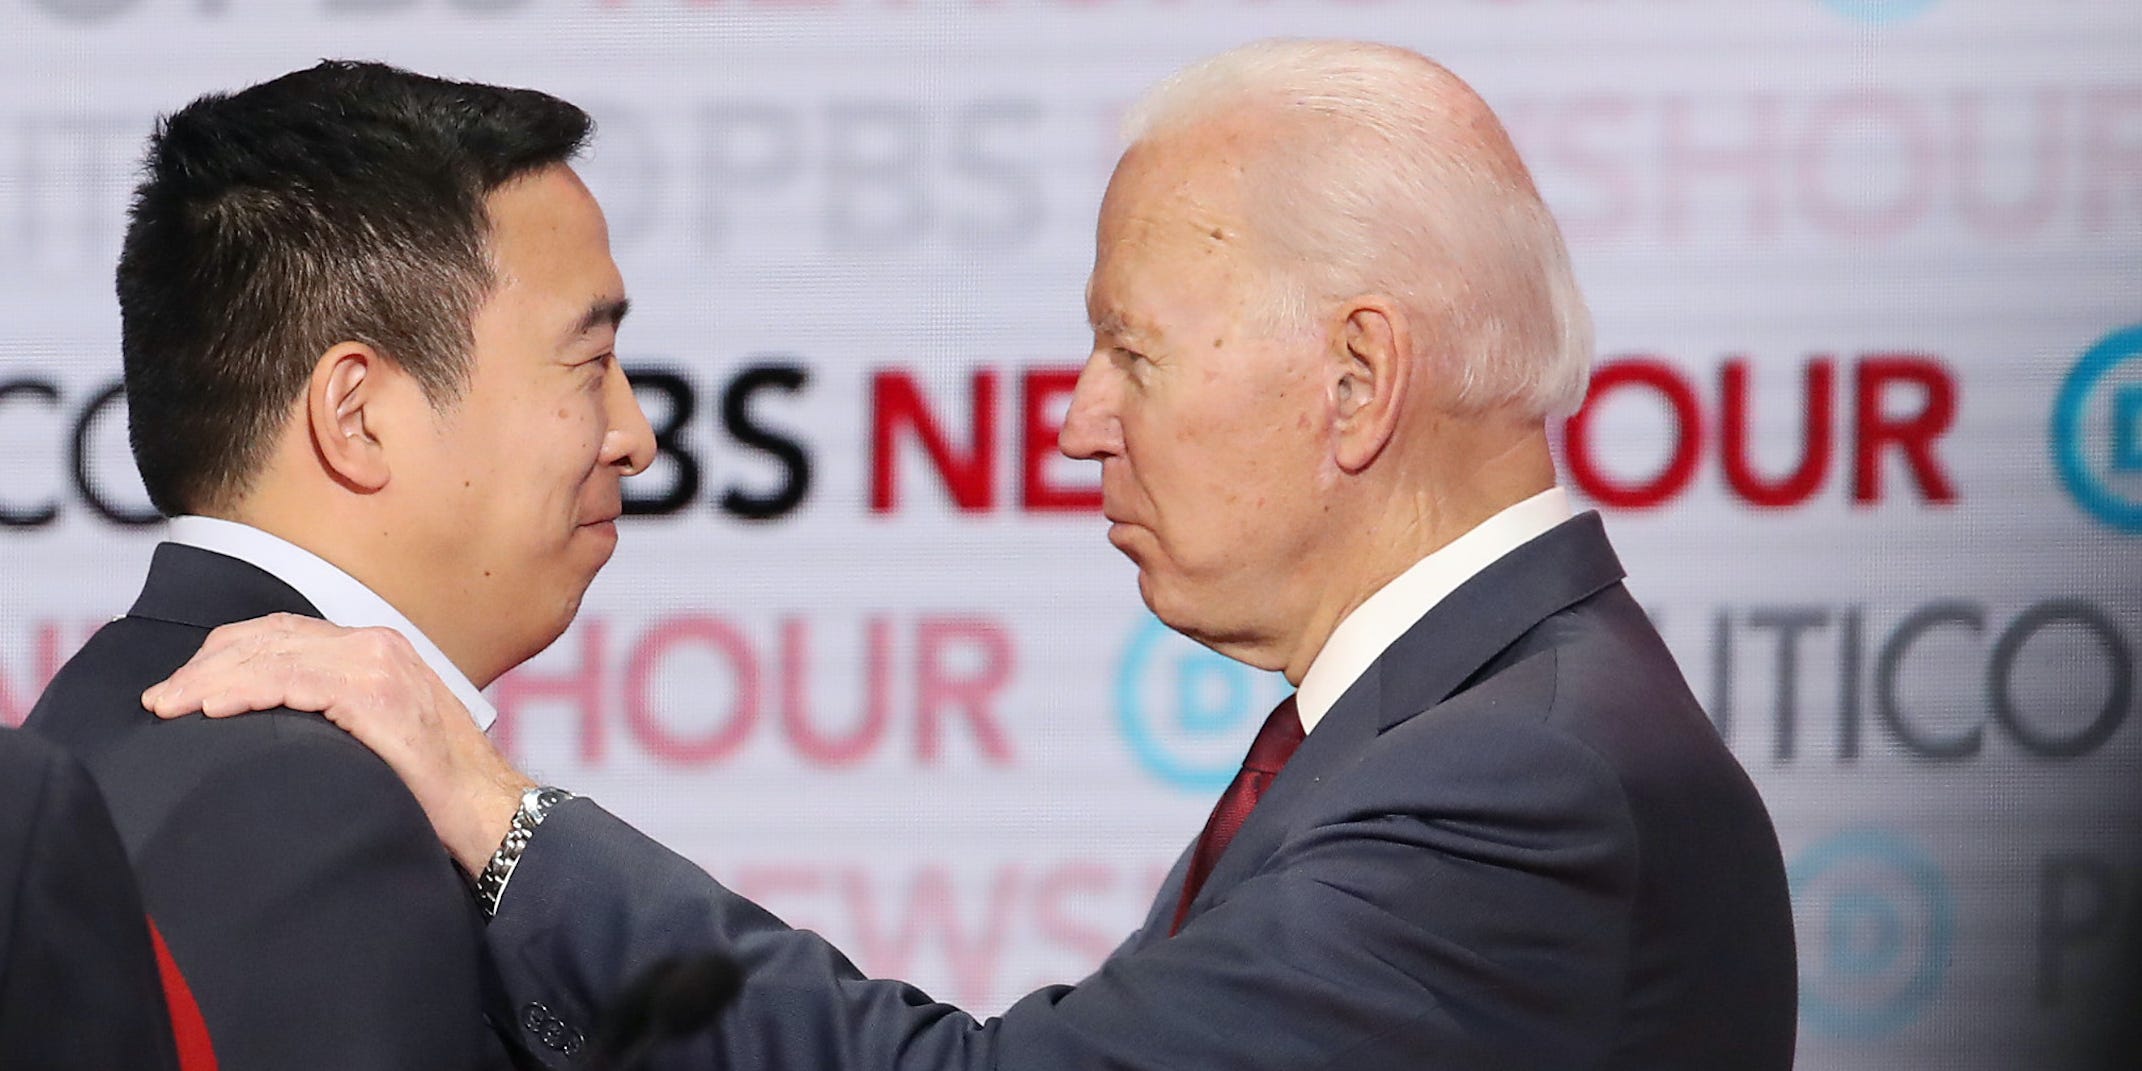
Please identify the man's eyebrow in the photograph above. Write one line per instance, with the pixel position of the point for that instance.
(605, 311)
(1111, 324)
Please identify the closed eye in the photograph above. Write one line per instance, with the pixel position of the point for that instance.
(598, 368)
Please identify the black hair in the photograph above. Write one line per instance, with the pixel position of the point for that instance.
(340, 203)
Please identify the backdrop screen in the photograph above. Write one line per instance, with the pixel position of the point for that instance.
(1866, 428)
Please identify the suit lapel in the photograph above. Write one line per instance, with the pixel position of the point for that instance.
(203, 589)
(1162, 910)
(1434, 660)
(1463, 633)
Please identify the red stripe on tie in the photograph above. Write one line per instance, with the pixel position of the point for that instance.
(187, 1027)
(1275, 744)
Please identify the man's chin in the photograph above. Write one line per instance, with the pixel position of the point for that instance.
(1158, 600)
(603, 532)
(1125, 538)
(592, 547)
(1194, 621)
(552, 628)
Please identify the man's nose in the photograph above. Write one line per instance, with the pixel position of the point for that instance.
(630, 442)
(1090, 430)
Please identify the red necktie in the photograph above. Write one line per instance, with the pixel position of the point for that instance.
(1275, 744)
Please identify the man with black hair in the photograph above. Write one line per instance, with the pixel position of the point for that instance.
(368, 327)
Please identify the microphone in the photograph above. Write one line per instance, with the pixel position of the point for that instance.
(675, 998)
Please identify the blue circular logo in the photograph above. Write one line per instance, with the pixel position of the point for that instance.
(1874, 921)
(2097, 430)
(1881, 10)
(1187, 711)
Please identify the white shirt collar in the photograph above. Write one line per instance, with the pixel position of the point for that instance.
(1376, 624)
(338, 596)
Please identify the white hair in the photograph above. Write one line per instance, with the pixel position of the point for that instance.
(1391, 175)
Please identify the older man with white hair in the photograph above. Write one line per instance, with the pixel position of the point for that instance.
(1492, 829)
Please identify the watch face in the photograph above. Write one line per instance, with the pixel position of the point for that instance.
(539, 800)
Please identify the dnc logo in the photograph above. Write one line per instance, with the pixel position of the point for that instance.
(1186, 712)
(2097, 430)
(1875, 921)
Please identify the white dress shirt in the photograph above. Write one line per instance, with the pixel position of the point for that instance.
(336, 594)
(1373, 626)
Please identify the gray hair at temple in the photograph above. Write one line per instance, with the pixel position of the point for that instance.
(1388, 174)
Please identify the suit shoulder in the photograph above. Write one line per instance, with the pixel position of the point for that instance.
(132, 645)
(164, 771)
(1498, 737)
(1589, 693)
(293, 739)
(278, 742)
(1599, 673)
(93, 709)
(94, 700)
(265, 762)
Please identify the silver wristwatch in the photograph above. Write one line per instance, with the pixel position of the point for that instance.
(535, 806)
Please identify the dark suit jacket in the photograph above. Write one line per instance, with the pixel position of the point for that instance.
(1515, 843)
(78, 981)
(298, 884)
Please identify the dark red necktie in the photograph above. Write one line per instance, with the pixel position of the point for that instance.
(1275, 744)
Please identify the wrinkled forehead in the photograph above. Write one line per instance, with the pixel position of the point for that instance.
(1167, 212)
(1177, 187)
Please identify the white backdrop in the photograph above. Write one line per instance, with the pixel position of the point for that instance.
(1868, 433)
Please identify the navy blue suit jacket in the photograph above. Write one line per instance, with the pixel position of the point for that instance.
(1515, 843)
(317, 919)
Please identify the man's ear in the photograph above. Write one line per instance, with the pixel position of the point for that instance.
(346, 411)
(1374, 371)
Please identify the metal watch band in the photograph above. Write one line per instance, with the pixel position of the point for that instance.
(535, 806)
